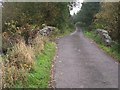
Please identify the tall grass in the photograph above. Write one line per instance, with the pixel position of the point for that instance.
(38, 44)
(19, 61)
(28, 65)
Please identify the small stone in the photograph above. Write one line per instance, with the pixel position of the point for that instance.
(61, 73)
(60, 61)
(79, 50)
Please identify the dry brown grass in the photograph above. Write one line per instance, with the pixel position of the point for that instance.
(37, 44)
(19, 61)
(21, 56)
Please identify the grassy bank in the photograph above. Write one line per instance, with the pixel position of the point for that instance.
(40, 76)
(112, 51)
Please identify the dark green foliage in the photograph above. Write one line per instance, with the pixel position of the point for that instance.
(54, 14)
(87, 13)
(108, 19)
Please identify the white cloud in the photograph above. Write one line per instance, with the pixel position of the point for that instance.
(77, 8)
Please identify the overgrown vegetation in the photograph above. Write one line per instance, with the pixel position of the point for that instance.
(86, 15)
(26, 54)
(19, 61)
(39, 76)
(34, 13)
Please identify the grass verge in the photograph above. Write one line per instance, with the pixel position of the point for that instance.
(40, 76)
(112, 51)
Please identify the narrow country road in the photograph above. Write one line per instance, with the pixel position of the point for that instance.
(81, 64)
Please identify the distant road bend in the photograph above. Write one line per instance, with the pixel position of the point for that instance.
(81, 64)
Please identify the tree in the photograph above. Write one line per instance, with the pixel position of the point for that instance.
(107, 18)
(87, 13)
(55, 14)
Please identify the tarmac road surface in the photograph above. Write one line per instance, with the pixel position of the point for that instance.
(81, 64)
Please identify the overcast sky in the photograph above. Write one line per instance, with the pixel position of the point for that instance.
(77, 8)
